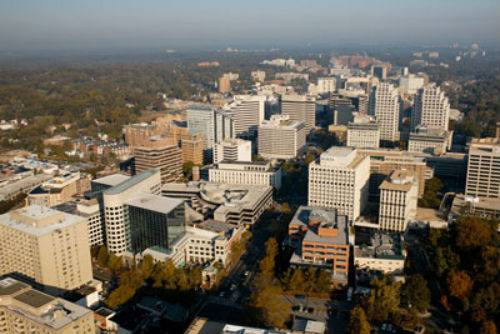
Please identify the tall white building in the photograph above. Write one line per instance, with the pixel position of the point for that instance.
(281, 138)
(233, 150)
(431, 108)
(363, 132)
(384, 104)
(215, 125)
(409, 84)
(248, 112)
(300, 108)
(398, 200)
(483, 168)
(340, 180)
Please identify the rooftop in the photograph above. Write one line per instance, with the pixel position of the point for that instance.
(112, 180)
(377, 244)
(155, 203)
(131, 182)
(400, 179)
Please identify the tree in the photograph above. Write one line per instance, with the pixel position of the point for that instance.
(102, 256)
(383, 300)
(459, 284)
(415, 293)
(270, 307)
(267, 264)
(358, 324)
(297, 282)
(488, 327)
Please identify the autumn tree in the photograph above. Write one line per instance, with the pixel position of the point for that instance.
(415, 293)
(358, 323)
(459, 284)
(383, 300)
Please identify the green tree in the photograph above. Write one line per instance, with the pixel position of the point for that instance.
(297, 281)
(358, 323)
(383, 300)
(415, 293)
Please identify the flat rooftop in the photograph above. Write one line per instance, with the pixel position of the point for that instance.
(34, 298)
(131, 182)
(112, 180)
(155, 203)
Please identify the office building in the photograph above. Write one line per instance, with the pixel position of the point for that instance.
(259, 173)
(224, 83)
(340, 180)
(215, 125)
(115, 196)
(398, 201)
(59, 189)
(192, 149)
(233, 204)
(233, 150)
(47, 246)
(300, 108)
(281, 138)
(89, 210)
(26, 310)
(164, 157)
(429, 140)
(384, 105)
(248, 112)
(154, 222)
(431, 108)
(321, 239)
(483, 168)
(363, 132)
(410, 84)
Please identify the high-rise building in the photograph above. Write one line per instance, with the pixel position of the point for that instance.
(248, 112)
(363, 132)
(192, 149)
(409, 84)
(384, 103)
(225, 83)
(380, 71)
(166, 158)
(114, 203)
(50, 247)
(340, 180)
(300, 108)
(398, 200)
(431, 108)
(233, 150)
(215, 125)
(26, 310)
(483, 168)
(281, 138)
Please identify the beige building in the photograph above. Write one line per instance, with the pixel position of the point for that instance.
(384, 105)
(483, 169)
(430, 141)
(431, 108)
(300, 108)
(233, 150)
(398, 200)
(340, 180)
(363, 132)
(247, 111)
(51, 247)
(192, 149)
(165, 157)
(257, 173)
(224, 84)
(281, 138)
(59, 189)
(26, 310)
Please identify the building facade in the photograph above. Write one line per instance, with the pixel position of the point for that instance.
(300, 108)
(233, 150)
(431, 108)
(281, 138)
(252, 173)
(363, 133)
(248, 112)
(166, 158)
(483, 168)
(384, 103)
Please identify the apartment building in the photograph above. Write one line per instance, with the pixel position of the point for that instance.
(320, 238)
(259, 173)
(483, 168)
(166, 158)
(398, 201)
(300, 108)
(248, 112)
(26, 310)
(384, 105)
(59, 189)
(339, 180)
(48, 246)
(233, 150)
(281, 138)
(431, 108)
(363, 132)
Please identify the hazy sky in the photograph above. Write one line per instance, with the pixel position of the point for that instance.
(67, 24)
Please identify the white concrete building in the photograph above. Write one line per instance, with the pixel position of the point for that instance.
(483, 168)
(340, 180)
(215, 125)
(281, 138)
(431, 108)
(409, 84)
(233, 150)
(398, 200)
(384, 105)
(257, 173)
(247, 112)
(300, 108)
(430, 141)
(363, 132)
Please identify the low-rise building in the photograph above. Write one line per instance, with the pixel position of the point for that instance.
(26, 310)
(59, 189)
(320, 238)
(363, 132)
(431, 141)
(259, 173)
